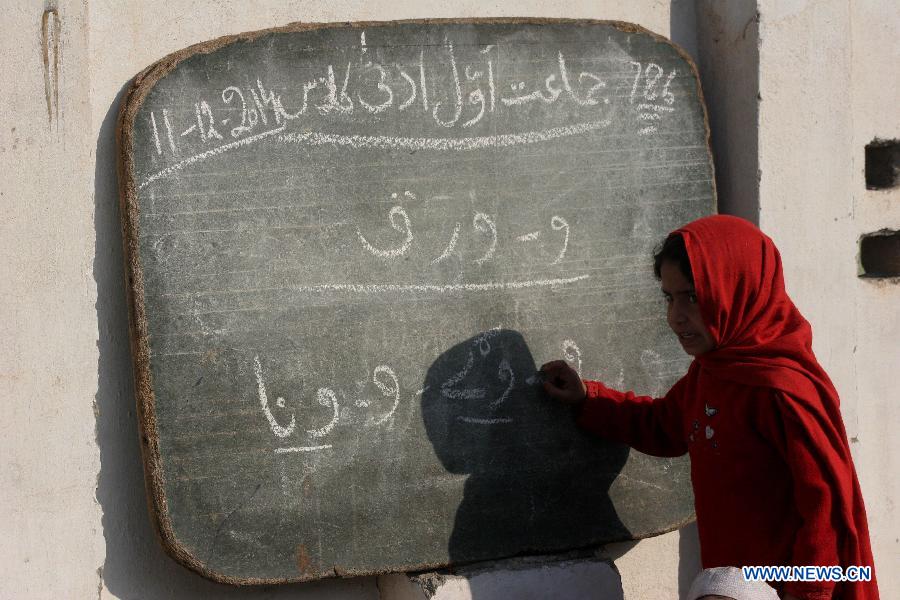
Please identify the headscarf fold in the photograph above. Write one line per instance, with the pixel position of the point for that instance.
(762, 340)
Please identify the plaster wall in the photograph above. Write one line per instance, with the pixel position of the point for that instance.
(829, 84)
(728, 59)
(74, 514)
(73, 508)
(48, 324)
(875, 98)
(805, 161)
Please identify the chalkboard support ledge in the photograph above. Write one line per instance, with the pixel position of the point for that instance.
(582, 574)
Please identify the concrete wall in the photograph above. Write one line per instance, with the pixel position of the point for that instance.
(73, 509)
(728, 58)
(52, 534)
(875, 29)
(875, 101)
(829, 84)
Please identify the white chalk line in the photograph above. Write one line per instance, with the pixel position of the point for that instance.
(301, 449)
(391, 143)
(204, 155)
(478, 421)
(381, 288)
(655, 107)
(466, 143)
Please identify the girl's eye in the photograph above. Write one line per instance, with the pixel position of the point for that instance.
(667, 298)
(693, 298)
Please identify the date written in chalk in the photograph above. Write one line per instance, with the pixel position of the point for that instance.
(221, 120)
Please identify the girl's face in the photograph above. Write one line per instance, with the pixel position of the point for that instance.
(682, 310)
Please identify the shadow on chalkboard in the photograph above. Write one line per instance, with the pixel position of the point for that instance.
(136, 566)
(535, 483)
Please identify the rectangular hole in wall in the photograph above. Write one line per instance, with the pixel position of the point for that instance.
(882, 164)
(879, 254)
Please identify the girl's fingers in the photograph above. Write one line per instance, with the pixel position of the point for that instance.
(561, 381)
(548, 367)
(555, 367)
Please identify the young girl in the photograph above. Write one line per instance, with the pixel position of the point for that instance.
(773, 478)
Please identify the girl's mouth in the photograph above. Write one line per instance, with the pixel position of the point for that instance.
(687, 337)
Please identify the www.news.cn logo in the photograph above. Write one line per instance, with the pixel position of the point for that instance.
(807, 573)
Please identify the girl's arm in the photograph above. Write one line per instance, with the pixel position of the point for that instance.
(650, 425)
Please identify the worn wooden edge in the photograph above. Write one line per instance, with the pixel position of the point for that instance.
(132, 100)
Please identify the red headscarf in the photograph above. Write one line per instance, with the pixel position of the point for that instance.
(761, 339)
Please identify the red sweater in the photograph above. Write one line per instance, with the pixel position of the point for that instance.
(773, 478)
(758, 495)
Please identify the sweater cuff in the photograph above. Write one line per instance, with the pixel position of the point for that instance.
(596, 389)
(595, 413)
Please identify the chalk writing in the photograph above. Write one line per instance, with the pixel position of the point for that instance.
(412, 88)
(386, 381)
(482, 223)
(451, 246)
(384, 90)
(472, 93)
(483, 421)
(383, 377)
(560, 224)
(505, 374)
(325, 397)
(650, 114)
(572, 354)
(458, 105)
(249, 118)
(374, 289)
(447, 390)
(302, 449)
(454, 389)
(322, 224)
(359, 142)
(155, 133)
(168, 125)
(277, 429)
(402, 249)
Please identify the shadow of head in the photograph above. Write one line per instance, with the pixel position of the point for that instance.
(481, 406)
(536, 482)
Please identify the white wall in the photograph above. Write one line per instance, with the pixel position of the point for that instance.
(830, 84)
(73, 509)
(875, 102)
(74, 513)
(728, 58)
(48, 324)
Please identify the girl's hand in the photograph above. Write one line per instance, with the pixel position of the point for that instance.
(562, 383)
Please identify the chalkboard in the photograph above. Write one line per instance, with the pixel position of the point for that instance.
(349, 248)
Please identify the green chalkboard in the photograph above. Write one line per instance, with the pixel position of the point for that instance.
(350, 247)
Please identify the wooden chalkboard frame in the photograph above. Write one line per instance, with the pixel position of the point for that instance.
(132, 101)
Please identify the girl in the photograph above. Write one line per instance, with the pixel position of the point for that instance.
(773, 479)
